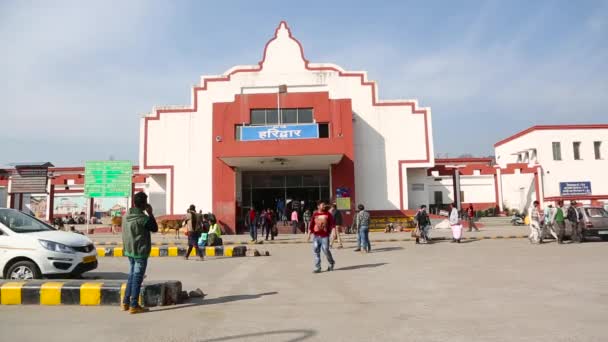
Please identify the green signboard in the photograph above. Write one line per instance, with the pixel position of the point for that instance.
(108, 178)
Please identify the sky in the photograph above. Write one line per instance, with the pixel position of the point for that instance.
(76, 76)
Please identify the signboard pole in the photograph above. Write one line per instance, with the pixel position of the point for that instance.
(88, 218)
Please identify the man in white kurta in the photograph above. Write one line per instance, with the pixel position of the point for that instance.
(455, 223)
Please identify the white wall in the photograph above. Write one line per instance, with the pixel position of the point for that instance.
(416, 198)
(477, 189)
(157, 193)
(383, 135)
(518, 191)
(567, 169)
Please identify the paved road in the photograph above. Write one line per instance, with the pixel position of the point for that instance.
(488, 290)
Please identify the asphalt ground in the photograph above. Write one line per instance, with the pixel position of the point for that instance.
(479, 290)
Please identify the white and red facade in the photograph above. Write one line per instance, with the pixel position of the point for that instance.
(550, 149)
(193, 156)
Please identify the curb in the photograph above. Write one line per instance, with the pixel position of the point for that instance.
(180, 251)
(85, 292)
(302, 241)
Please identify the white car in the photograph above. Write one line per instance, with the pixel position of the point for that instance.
(31, 249)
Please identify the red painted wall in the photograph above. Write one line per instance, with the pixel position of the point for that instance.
(338, 113)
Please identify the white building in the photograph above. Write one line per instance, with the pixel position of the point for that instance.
(284, 128)
(571, 161)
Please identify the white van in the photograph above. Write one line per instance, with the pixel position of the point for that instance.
(31, 249)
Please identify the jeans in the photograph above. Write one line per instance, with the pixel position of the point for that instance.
(136, 277)
(561, 230)
(424, 232)
(369, 244)
(294, 224)
(364, 238)
(253, 231)
(577, 232)
(321, 243)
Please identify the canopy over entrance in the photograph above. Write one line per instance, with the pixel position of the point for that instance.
(306, 162)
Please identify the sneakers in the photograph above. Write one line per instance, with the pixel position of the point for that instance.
(330, 268)
(138, 310)
(124, 307)
(357, 249)
(318, 270)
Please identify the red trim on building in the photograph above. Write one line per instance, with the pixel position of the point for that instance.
(537, 185)
(496, 193)
(340, 142)
(479, 205)
(77, 169)
(464, 160)
(412, 104)
(577, 198)
(548, 128)
(69, 191)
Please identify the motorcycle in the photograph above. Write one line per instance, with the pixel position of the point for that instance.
(517, 220)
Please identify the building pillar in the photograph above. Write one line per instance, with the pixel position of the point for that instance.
(224, 195)
(51, 203)
(342, 175)
(456, 185)
(91, 207)
(498, 188)
(540, 193)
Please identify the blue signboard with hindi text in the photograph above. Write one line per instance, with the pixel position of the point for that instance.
(574, 188)
(279, 132)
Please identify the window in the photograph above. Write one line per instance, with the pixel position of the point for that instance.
(417, 187)
(323, 130)
(305, 115)
(597, 149)
(438, 195)
(557, 150)
(461, 196)
(266, 117)
(258, 117)
(577, 150)
(272, 117)
(289, 116)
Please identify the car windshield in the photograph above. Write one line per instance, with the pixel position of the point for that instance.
(22, 223)
(596, 212)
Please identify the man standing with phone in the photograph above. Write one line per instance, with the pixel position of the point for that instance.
(137, 241)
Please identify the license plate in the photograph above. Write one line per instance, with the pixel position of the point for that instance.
(603, 232)
(89, 259)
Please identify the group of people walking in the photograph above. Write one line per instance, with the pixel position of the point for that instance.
(202, 230)
(553, 221)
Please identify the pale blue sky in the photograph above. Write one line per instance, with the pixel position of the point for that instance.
(77, 75)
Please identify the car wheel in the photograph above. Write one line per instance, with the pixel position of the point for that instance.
(23, 270)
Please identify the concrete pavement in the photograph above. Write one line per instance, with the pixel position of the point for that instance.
(487, 290)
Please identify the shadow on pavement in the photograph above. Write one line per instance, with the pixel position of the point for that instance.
(220, 300)
(356, 267)
(106, 275)
(300, 335)
(385, 249)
